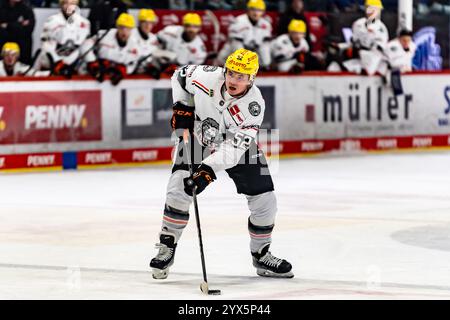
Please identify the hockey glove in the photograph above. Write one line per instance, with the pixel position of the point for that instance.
(201, 178)
(183, 117)
(95, 71)
(117, 73)
(153, 71)
(62, 69)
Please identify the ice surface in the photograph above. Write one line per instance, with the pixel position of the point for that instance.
(363, 227)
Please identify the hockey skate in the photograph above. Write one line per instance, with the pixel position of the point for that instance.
(165, 257)
(267, 265)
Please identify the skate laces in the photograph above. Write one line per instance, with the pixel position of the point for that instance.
(271, 260)
(164, 253)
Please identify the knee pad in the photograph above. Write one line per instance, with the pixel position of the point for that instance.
(263, 208)
(176, 197)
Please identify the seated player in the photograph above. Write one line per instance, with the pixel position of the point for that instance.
(117, 52)
(289, 51)
(11, 66)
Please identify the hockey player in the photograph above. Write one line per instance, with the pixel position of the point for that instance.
(153, 60)
(369, 39)
(147, 41)
(251, 31)
(117, 52)
(400, 52)
(223, 110)
(289, 51)
(184, 41)
(62, 36)
(11, 66)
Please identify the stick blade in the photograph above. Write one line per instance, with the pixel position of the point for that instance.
(205, 289)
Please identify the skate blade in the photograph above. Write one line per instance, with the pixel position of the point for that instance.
(160, 274)
(271, 274)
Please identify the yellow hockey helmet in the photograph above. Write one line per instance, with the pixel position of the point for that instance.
(192, 19)
(125, 20)
(243, 61)
(297, 26)
(374, 3)
(147, 15)
(256, 4)
(10, 47)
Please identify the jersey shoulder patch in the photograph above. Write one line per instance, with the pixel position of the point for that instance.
(254, 108)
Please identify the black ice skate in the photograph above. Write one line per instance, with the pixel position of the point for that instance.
(267, 265)
(165, 257)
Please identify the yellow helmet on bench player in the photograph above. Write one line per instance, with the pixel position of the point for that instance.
(10, 47)
(126, 20)
(374, 3)
(297, 26)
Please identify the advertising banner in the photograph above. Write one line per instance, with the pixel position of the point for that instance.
(50, 116)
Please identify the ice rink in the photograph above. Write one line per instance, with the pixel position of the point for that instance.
(359, 227)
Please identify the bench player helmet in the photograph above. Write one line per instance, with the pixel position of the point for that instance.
(374, 3)
(10, 47)
(257, 5)
(192, 19)
(297, 26)
(147, 15)
(126, 20)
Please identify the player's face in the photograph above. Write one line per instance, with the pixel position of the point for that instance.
(298, 5)
(372, 13)
(255, 14)
(405, 41)
(123, 33)
(296, 37)
(146, 26)
(68, 7)
(236, 83)
(10, 58)
(191, 31)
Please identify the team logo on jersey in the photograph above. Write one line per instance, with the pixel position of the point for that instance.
(209, 131)
(210, 68)
(236, 114)
(254, 108)
(209, 92)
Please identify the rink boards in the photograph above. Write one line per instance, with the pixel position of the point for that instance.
(79, 123)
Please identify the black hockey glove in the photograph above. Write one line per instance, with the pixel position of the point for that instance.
(62, 69)
(183, 117)
(117, 73)
(201, 178)
(153, 71)
(96, 70)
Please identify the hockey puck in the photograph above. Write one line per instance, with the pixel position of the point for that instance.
(214, 292)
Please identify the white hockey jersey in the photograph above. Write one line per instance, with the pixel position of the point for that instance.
(398, 57)
(146, 46)
(61, 37)
(218, 113)
(243, 34)
(20, 69)
(109, 49)
(284, 52)
(372, 39)
(193, 52)
(369, 35)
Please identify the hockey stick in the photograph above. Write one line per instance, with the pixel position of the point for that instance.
(74, 65)
(216, 25)
(204, 285)
(33, 61)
